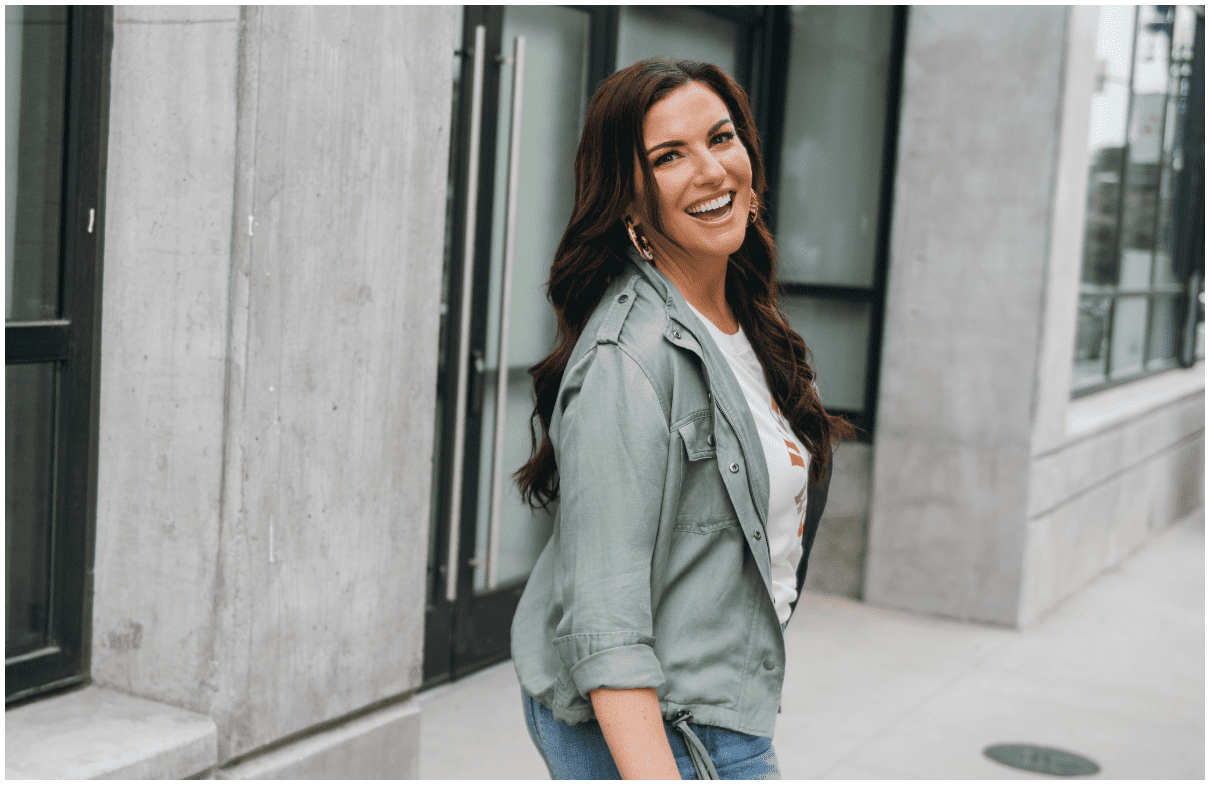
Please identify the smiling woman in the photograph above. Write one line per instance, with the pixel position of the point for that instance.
(703, 173)
(684, 441)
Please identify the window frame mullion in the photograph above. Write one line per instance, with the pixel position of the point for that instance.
(73, 344)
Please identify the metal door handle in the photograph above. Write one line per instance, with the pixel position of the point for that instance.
(464, 317)
(506, 301)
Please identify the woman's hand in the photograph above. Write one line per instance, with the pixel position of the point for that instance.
(634, 730)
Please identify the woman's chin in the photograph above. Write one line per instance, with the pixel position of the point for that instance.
(715, 239)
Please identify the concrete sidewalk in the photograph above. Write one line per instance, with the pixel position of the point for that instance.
(1116, 674)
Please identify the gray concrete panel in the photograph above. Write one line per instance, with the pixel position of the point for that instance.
(837, 563)
(383, 745)
(1070, 545)
(163, 347)
(340, 202)
(96, 733)
(1083, 463)
(174, 14)
(969, 249)
(1054, 374)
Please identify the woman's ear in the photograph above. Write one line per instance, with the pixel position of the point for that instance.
(637, 210)
(633, 213)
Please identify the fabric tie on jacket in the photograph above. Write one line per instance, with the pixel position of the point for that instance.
(697, 751)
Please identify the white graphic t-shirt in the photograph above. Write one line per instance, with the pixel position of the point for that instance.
(786, 458)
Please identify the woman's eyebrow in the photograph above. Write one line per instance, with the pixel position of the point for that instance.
(678, 143)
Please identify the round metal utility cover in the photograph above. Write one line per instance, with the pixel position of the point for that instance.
(1044, 760)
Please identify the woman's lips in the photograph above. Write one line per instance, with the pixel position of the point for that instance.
(717, 213)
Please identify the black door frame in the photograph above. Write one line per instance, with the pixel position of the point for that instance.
(72, 342)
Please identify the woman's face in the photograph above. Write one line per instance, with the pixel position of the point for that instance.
(702, 171)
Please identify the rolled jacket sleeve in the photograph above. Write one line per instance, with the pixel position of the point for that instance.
(612, 453)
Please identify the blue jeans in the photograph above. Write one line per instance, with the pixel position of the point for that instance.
(579, 752)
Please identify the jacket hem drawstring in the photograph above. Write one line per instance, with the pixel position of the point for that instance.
(697, 751)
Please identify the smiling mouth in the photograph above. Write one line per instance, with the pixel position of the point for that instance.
(713, 210)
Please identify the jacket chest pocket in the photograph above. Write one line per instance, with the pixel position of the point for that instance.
(704, 504)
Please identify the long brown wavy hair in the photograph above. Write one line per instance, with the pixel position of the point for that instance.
(592, 253)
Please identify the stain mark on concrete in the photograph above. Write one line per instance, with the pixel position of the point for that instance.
(129, 639)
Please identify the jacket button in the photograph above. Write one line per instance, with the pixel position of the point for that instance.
(756, 533)
(710, 439)
(622, 298)
(676, 333)
(769, 664)
(734, 467)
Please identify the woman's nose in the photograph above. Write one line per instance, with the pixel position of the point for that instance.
(709, 169)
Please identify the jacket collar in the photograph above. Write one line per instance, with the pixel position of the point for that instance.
(682, 328)
(676, 310)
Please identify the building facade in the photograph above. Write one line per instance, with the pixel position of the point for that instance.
(274, 280)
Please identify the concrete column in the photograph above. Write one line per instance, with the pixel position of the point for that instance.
(274, 232)
(969, 252)
(169, 191)
(337, 255)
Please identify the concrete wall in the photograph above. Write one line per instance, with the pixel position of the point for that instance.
(1111, 487)
(275, 215)
(343, 147)
(995, 494)
(1109, 469)
(969, 249)
(837, 564)
(170, 185)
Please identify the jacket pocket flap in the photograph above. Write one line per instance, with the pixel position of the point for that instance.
(698, 436)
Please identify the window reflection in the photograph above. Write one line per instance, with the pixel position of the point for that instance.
(1133, 285)
(28, 455)
(831, 166)
(35, 76)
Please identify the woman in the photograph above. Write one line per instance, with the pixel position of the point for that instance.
(680, 433)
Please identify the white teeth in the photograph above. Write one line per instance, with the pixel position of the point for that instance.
(713, 204)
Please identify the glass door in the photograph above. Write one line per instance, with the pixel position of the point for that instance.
(520, 107)
(523, 76)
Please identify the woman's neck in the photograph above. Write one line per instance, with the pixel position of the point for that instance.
(703, 284)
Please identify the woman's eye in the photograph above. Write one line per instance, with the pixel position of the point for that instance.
(725, 136)
(665, 158)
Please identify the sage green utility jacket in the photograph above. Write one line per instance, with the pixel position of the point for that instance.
(657, 571)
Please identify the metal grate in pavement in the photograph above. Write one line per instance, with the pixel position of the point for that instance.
(1044, 760)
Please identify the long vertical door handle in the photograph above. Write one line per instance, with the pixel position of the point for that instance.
(506, 301)
(464, 317)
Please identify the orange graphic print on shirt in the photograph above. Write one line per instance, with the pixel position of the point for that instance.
(796, 459)
(795, 455)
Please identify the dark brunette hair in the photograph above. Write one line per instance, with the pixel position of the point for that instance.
(592, 253)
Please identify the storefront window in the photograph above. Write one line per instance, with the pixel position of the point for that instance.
(1139, 311)
(54, 74)
(35, 75)
(831, 190)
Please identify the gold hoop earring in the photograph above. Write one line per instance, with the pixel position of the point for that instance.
(753, 210)
(640, 242)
